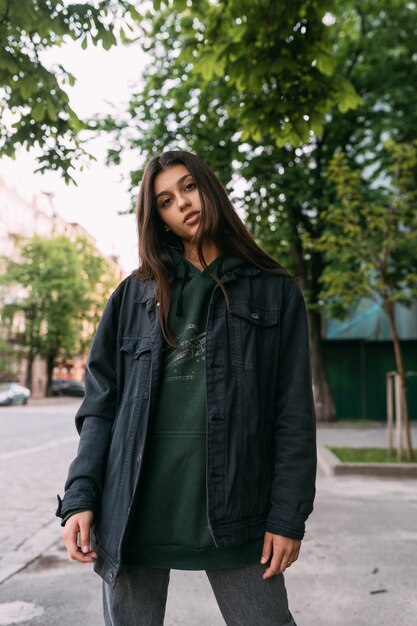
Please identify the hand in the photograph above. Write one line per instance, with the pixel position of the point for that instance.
(282, 551)
(78, 526)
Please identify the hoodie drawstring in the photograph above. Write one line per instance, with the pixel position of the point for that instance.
(184, 277)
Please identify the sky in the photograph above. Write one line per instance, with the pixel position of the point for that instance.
(102, 77)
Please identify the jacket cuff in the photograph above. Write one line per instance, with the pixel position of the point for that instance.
(70, 514)
(286, 523)
(82, 495)
(276, 529)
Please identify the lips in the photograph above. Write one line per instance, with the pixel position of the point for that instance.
(191, 217)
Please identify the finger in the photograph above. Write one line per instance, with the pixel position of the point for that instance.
(267, 549)
(295, 554)
(292, 558)
(84, 544)
(70, 536)
(70, 539)
(286, 561)
(276, 566)
(84, 537)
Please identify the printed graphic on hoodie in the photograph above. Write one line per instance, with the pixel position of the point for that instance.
(192, 348)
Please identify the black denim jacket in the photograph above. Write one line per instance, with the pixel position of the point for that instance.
(261, 448)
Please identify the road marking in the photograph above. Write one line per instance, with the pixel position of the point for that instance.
(34, 449)
(15, 612)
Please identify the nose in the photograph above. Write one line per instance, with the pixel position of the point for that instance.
(183, 202)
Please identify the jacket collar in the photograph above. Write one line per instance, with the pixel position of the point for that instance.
(147, 287)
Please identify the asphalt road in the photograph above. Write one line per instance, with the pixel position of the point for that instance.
(358, 563)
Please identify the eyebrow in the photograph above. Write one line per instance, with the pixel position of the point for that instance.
(177, 183)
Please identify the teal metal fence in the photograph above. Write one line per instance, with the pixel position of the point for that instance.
(357, 376)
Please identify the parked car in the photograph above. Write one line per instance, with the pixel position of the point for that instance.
(68, 388)
(13, 393)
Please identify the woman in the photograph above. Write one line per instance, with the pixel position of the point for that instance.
(197, 430)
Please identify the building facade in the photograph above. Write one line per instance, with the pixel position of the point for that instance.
(21, 218)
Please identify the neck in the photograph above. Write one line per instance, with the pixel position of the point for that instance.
(210, 252)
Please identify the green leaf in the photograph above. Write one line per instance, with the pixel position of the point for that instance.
(38, 111)
(108, 39)
(27, 87)
(326, 63)
(348, 97)
(135, 13)
(206, 66)
(316, 123)
(52, 111)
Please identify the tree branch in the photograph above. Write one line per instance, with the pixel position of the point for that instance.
(5, 17)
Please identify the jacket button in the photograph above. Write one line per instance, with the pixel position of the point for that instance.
(139, 458)
(111, 575)
(255, 316)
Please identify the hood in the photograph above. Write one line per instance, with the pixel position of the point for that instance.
(219, 266)
(184, 270)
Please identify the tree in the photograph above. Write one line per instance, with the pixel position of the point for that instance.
(288, 189)
(34, 106)
(284, 190)
(275, 56)
(55, 282)
(7, 358)
(369, 241)
(233, 82)
(271, 66)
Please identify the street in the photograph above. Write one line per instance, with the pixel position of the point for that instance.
(357, 565)
(37, 443)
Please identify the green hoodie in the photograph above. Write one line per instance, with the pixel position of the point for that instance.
(169, 525)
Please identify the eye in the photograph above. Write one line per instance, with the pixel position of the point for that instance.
(189, 186)
(164, 202)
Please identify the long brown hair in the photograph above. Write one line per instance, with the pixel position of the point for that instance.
(219, 222)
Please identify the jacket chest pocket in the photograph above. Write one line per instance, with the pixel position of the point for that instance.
(136, 355)
(254, 335)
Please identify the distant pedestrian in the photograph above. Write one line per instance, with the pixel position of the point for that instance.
(197, 430)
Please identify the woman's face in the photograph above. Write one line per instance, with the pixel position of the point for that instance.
(177, 201)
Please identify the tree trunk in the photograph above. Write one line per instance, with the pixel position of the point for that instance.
(50, 363)
(29, 369)
(389, 309)
(325, 409)
(323, 400)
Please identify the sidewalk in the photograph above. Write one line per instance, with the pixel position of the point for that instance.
(52, 400)
(373, 435)
(368, 436)
(357, 565)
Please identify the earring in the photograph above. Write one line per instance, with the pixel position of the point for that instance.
(167, 228)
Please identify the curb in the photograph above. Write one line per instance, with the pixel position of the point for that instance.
(52, 400)
(332, 466)
(28, 551)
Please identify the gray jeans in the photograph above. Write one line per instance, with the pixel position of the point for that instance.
(244, 598)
